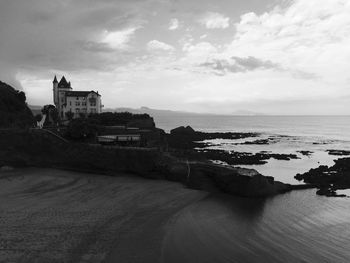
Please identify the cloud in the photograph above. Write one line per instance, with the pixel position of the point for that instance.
(39, 36)
(201, 50)
(238, 64)
(285, 53)
(174, 24)
(213, 20)
(306, 36)
(155, 45)
(8, 75)
(119, 39)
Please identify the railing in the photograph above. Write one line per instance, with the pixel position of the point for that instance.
(52, 133)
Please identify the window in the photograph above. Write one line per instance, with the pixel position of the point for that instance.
(92, 101)
(70, 103)
(77, 98)
(83, 104)
(77, 103)
(77, 110)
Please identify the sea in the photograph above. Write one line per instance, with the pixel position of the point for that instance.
(299, 226)
(288, 135)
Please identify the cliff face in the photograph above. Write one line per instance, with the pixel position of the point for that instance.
(14, 111)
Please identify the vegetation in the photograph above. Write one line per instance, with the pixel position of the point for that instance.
(14, 112)
(70, 115)
(82, 129)
(52, 116)
(117, 118)
(85, 128)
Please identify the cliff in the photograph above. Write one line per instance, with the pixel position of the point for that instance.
(14, 111)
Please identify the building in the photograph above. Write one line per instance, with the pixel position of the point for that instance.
(77, 102)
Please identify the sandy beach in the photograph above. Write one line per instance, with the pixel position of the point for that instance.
(60, 216)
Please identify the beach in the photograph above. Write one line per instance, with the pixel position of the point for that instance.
(61, 216)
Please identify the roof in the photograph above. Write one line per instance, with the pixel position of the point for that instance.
(63, 83)
(55, 80)
(80, 93)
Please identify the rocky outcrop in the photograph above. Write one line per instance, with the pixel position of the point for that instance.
(338, 152)
(212, 177)
(184, 131)
(329, 179)
(186, 142)
(186, 138)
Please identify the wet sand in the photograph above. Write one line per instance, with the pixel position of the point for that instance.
(50, 215)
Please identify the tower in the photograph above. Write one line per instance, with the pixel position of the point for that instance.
(55, 91)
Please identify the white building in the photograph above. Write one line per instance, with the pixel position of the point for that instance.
(78, 102)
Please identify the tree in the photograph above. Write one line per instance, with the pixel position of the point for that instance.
(21, 96)
(69, 115)
(14, 111)
(81, 129)
(54, 115)
(38, 117)
(51, 114)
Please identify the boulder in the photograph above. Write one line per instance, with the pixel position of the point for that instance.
(183, 131)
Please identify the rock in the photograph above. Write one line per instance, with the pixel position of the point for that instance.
(259, 142)
(329, 192)
(212, 177)
(329, 179)
(183, 130)
(338, 152)
(305, 153)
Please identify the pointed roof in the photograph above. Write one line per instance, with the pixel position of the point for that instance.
(63, 81)
(55, 80)
(63, 84)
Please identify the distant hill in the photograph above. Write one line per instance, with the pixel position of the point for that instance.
(246, 113)
(157, 112)
(14, 111)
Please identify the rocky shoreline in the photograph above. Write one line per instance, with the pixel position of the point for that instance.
(32, 148)
(186, 160)
(186, 142)
(329, 179)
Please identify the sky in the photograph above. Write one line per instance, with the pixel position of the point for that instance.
(223, 56)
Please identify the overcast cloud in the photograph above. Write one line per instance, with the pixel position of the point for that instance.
(275, 56)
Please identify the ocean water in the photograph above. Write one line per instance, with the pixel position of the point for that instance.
(289, 134)
(299, 226)
(295, 227)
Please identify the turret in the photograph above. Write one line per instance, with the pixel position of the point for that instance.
(55, 91)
